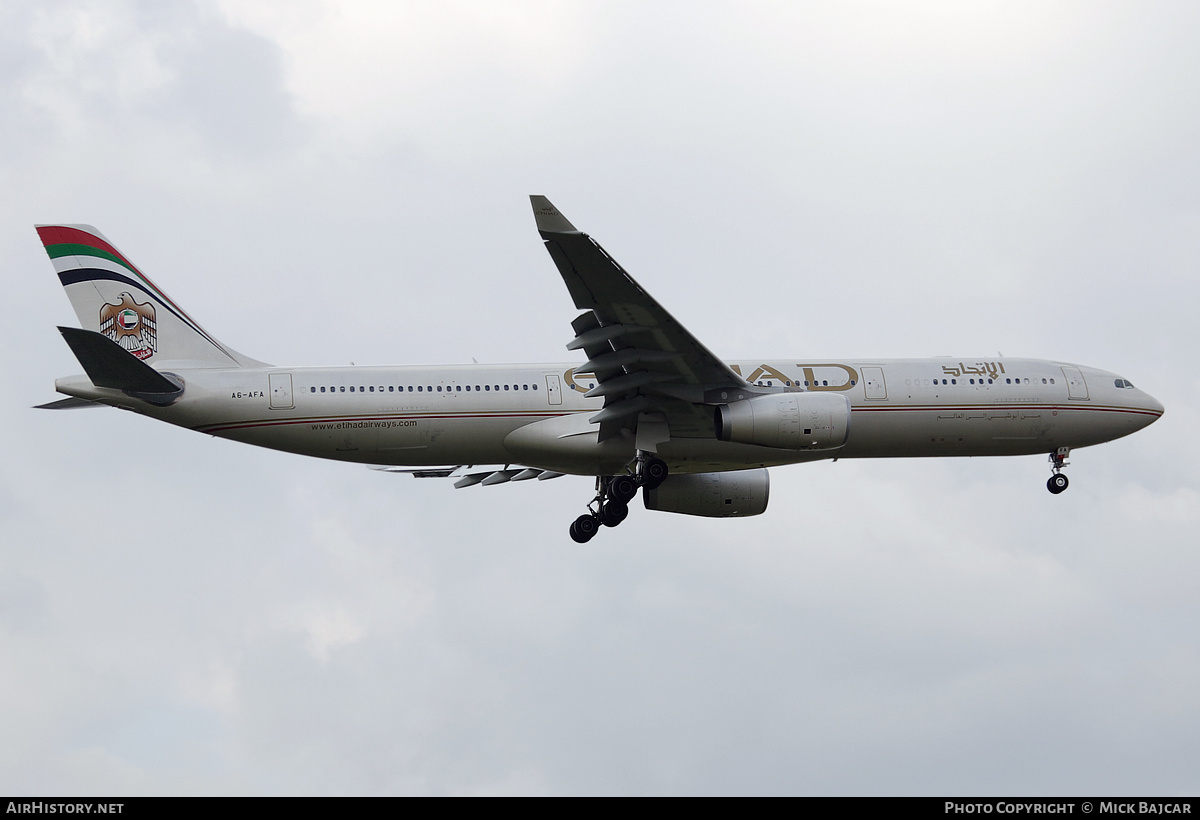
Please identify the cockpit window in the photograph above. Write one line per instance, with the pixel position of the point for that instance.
(1123, 383)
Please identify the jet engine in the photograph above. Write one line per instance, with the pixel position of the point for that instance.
(792, 421)
(714, 495)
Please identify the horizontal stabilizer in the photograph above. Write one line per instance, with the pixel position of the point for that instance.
(73, 403)
(468, 475)
(109, 365)
(420, 472)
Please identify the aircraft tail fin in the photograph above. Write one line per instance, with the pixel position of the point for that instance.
(113, 298)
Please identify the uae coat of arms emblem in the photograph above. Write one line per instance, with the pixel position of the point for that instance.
(131, 325)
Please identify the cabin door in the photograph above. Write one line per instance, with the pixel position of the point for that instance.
(873, 381)
(281, 391)
(1076, 386)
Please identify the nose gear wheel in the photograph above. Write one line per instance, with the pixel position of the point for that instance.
(1058, 459)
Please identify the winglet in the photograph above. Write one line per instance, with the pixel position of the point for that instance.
(549, 219)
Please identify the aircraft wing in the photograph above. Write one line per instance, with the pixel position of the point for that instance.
(652, 373)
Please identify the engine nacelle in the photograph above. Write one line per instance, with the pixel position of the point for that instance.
(792, 421)
(715, 495)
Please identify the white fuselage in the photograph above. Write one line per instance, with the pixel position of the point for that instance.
(469, 414)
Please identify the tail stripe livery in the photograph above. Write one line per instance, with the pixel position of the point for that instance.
(102, 284)
(64, 240)
(65, 243)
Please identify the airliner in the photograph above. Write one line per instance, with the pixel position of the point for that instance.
(649, 408)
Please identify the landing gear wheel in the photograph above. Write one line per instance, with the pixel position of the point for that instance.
(584, 529)
(622, 488)
(613, 513)
(654, 472)
(1057, 483)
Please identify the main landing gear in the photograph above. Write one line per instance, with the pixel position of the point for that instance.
(1058, 459)
(613, 494)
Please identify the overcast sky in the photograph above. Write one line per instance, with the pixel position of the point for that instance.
(326, 183)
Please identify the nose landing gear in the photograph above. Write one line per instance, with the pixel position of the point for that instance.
(1058, 459)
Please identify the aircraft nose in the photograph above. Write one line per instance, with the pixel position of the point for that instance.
(1154, 406)
(1149, 409)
